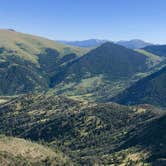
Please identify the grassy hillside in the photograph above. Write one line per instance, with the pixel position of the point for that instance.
(159, 50)
(133, 44)
(153, 59)
(5, 99)
(29, 46)
(27, 62)
(87, 132)
(16, 151)
(151, 90)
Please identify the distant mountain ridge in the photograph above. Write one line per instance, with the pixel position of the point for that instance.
(84, 43)
(132, 44)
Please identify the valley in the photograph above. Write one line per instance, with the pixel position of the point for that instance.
(69, 105)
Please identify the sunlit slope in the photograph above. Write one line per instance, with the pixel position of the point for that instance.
(16, 151)
(28, 46)
(159, 50)
(27, 62)
(153, 59)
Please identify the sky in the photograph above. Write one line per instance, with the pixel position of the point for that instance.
(84, 19)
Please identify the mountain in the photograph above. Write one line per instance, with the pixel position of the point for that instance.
(56, 107)
(29, 46)
(16, 151)
(89, 133)
(27, 62)
(84, 43)
(101, 72)
(159, 50)
(110, 59)
(151, 90)
(33, 64)
(133, 44)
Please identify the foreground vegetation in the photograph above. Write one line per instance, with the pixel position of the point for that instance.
(85, 131)
(16, 151)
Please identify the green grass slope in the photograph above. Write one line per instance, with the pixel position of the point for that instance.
(159, 50)
(153, 59)
(28, 46)
(27, 62)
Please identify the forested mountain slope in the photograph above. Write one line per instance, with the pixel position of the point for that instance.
(87, 132)
(151, 90)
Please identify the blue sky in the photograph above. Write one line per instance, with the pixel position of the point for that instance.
(84, 19)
